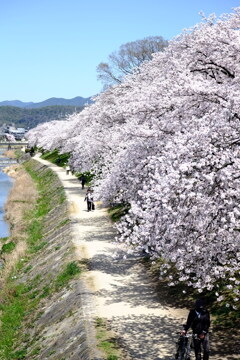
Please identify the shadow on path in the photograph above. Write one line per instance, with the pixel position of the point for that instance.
(151, 337)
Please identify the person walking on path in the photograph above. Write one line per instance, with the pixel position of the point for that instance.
(83, 180)
(89, 199)
(199, 321)
(93, 205)
(67, 170)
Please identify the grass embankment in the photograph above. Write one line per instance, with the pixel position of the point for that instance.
(28, 280)
(108, 344)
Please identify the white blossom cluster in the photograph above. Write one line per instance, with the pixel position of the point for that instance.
(166, 141)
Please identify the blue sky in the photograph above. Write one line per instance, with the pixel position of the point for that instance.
(51, 48)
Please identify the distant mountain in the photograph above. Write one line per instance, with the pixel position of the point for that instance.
(29, 118)
(77, 101)
(15, 103)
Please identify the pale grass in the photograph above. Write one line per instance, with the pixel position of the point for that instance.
(10, 154)
(22, 200)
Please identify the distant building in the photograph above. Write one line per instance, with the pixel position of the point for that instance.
(17, 133)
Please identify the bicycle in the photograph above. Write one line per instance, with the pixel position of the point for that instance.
(184, 345)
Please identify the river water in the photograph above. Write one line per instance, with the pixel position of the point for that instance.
(5, 186)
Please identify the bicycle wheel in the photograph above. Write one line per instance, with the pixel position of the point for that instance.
(188, 350)
(181, 355)
(181, 349)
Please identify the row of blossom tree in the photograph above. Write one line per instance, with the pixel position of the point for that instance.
(166, 141)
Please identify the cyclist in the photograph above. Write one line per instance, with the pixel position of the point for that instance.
(199, 321)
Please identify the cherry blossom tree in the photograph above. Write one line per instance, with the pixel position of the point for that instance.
(166, 142)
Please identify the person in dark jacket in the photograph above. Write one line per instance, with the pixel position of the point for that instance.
(83, 180)
(199, 321)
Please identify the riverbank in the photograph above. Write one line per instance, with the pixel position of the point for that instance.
(5, 187)
(6, 183)
(42, 298)
(21, 200)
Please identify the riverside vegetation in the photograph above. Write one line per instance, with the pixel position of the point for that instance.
(41, 314)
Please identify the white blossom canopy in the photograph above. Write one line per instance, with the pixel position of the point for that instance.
(166, 141)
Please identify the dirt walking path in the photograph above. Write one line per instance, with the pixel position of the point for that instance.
(123, 292)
